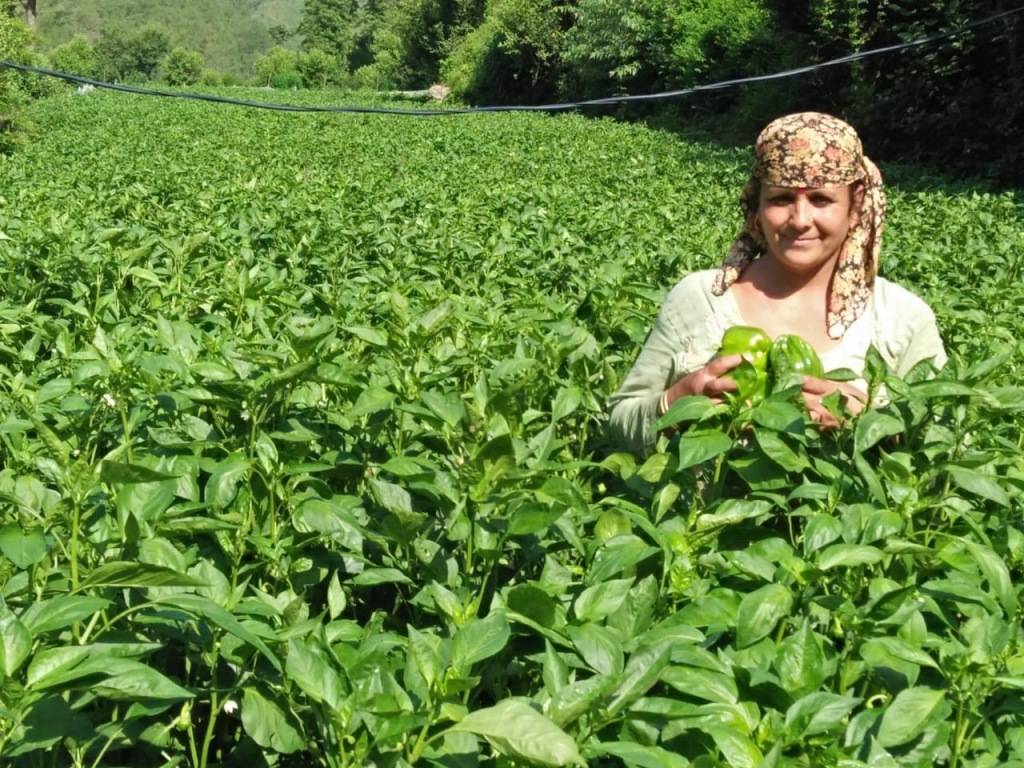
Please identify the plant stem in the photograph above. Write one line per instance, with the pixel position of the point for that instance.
(214, 709)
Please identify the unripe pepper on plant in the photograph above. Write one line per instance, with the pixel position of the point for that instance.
(782, 363)
(790, 359)
(753, 345)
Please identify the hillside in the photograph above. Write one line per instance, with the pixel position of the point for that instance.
(229, 33)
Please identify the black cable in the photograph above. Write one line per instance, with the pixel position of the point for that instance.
(561, 107)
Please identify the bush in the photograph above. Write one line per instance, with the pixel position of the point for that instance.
(182, 67)
(132, 57)
(286, 80)
(211, 77)
(76, 57)
(276, 61)
(14, 42)
(317, 68)
(658, 43)
(510, 57)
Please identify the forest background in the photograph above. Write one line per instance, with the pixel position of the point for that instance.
(956, 105)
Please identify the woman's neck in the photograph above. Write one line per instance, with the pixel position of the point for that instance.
(773, 280)
(781, 301)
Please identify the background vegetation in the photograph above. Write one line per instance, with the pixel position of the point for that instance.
(956, 105)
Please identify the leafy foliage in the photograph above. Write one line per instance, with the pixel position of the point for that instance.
(230, 34)
(132, 56)
(181, 67)
(301, 462)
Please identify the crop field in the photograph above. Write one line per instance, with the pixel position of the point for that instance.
(302, 462)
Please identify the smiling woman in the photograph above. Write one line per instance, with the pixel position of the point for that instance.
(805, 263)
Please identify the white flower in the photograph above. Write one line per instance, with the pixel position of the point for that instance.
(109, 400)
(230, 707)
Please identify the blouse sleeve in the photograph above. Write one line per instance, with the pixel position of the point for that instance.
(923, 343)
(670, 352)
(910, 332)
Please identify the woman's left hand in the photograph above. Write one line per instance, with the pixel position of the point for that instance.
(815, 389)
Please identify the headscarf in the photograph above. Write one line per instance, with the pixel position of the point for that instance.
(808, 150)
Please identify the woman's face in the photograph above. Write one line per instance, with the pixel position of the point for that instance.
(805, 228)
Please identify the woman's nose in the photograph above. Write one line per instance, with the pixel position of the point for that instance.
(800, 213)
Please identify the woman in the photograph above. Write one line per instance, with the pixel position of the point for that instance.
(805, 263)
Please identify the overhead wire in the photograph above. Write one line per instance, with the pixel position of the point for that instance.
(556, 107)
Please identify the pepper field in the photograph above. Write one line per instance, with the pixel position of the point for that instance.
(302, 464)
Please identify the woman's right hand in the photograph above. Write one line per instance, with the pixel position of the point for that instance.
(709, 381)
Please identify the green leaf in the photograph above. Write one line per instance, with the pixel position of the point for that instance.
(518, 731)
(370, 401)
(732, 511)
(140, 682)
(479, 639)
(566, 402)
(690, 408)
(61, 611)
(222, 485)
(641, 673)
(817, 713)
(424, 652)
(979, 484)
(908, 715)
(874, 426)
(373, 576)
(760, 611)
(996, 574)
(530, 518)
(15, 643)
(737, 748)
(706, 684)
(55, 666)
(600, 600)
(598, 647)
(877, 651)
(573, 701)
(207, 609)
(700, 446)
(780, 415)
(308, 668)
(447, 407)
(269, 724)
(800, 661)
(638, 755)
(779, 451)
(848, 556)
(369, 335)
(117, 574)
(116, 472)
(23, 548)
(556, 671)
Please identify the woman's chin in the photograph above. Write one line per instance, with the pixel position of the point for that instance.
(804, 259)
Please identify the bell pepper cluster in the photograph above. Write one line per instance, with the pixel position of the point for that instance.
(768, 366)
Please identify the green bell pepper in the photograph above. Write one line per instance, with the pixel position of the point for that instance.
(790, 359)
(751, 376)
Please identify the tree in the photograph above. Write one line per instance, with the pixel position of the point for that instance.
(182, 67)
(28, 8)
(278, 63)
(126, 56)
(317, 68)
(76, 57)
(327, 25)
(279, 34)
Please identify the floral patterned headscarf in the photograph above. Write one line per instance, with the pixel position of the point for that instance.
(809, 150)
